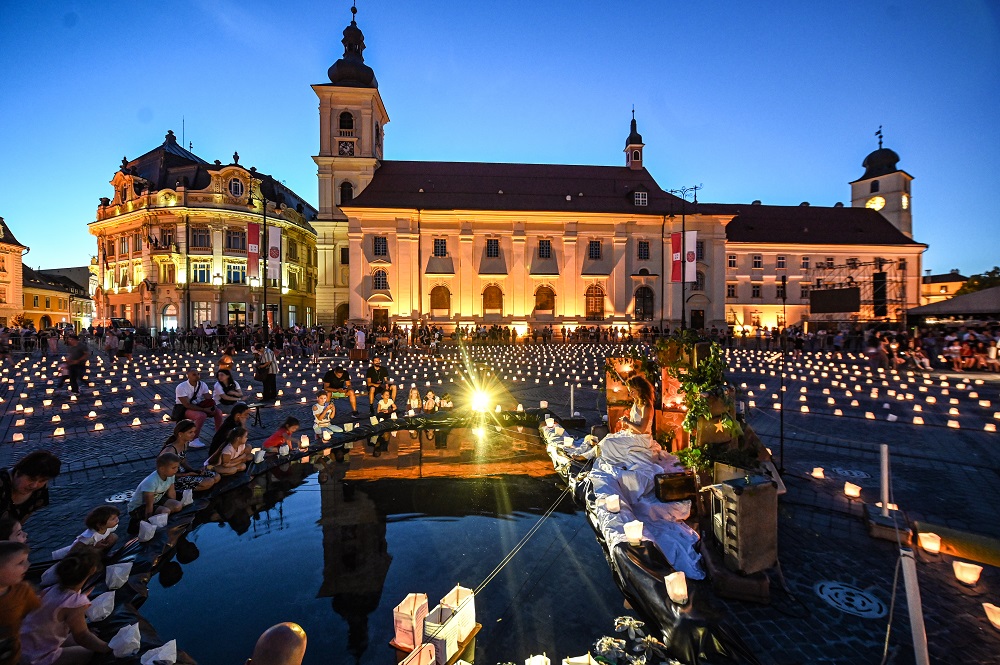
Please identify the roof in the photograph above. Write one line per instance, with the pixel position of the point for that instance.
(79, 276)
(513, 187)
(6, 236)
(807, 225)
(880, 162)
(945, 278)
(982, 302)
(34, 279)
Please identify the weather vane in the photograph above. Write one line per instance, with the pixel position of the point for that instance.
(879, 135)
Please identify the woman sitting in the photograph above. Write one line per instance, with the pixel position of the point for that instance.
(634, 438)
(226, 392)
(189, 478)
(25, 487)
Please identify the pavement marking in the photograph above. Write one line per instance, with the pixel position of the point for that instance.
(851, 600)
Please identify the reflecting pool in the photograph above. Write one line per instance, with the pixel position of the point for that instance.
(335, 546)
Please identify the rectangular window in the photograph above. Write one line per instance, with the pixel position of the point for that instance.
(167, 273)
(166, 237)
(780, 292)
(109, 248)
(641, 198)
(34, 301)
(292, 312)
(902, 264)
(201, 312)
(201, 273)
(594, 250)
(755, 291)
(345, 256)
(758, 262)
(123, 245)
(136, 243)
(3, 294)
(779, 262)
(492, 248)
(804, 291)
(852, 262)
(236, 273)
(730, 290)
(380, 246)
(48, 302)
(643, 250)
(114, 309)
(236, 240)
(292, 251)
(699, 248)
(293, 281)
(731, 260)
(201, 238)
(805, 263)
(440, 247)
(545, 249)
(829, 262)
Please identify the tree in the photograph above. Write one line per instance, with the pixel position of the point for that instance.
(980, 281)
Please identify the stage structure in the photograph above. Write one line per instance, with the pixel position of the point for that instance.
(858, 291)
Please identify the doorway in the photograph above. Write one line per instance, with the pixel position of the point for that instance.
(697, 319)
(237, 314)
(380, 319)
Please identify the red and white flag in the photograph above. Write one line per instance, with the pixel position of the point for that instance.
(683, 256)
(274, 253)
(253, 250)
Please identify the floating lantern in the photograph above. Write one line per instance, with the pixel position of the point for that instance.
(46, 402)
(930, 542)
(817, 473)
(869, 415)
(633, 532)
(283, 449)
(18, 437)
(852, 491)
(953, 424)
(543, 404)
(966, 573)
(326, 436)
(59, 432)
(993, 614)
(677, 587)
(892, 506)
(56, 419)
(537, 660)
(989, 427)
(124, 410)
(613, 503)
(917, 420)
(98, 427)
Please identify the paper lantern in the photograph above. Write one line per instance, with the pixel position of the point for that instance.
(18, 437)
(283, 449)
(966, 573)
(677, 587)
(633, 532)
(98, 427)
(613, 503)
(543, 404)
(59, 432)
(852, 491)
(124, 410)
(567, 441)
(304, 442)
(993, 614)
(817, 472)
(930, 542)
(136, 422)
(537, 660)
(258, 455)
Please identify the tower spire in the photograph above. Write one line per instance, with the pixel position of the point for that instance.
(879, 135)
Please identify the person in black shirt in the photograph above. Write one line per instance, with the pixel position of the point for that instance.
(377, 380)
(337, 384)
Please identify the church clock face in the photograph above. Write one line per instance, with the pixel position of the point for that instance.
(346, 148)
(875, 203)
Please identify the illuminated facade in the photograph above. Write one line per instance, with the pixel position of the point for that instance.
(11, 279)
(48, 298)
(172, 244)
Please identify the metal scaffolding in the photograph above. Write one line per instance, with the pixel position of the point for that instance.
(863, 275)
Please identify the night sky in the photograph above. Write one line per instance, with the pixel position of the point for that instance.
(777, 101)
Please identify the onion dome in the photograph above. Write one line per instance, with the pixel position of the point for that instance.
(351, 70)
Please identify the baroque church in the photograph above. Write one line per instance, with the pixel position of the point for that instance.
(457, 243)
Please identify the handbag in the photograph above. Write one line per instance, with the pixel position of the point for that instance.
(178, 413)
(675, 486)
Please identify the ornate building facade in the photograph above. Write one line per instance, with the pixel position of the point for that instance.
(11, 278)
(456, 243)
(173, 244)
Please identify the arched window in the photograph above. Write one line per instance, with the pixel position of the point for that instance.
(492, 300)
(699, 282)
(595, 303)
(342, 314)
(346, 192)
(236, 187)
(346, 120)
(636, 155)
(440, 300)
(644, 304)
(123, 193)
(874, 186)
(380, 280)
(545, 299)
(168, 318)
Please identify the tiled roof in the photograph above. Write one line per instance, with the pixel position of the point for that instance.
(985, 302)
(33, 279)
(945, 278)
(6, 236)
(513, 187)
(808, 225)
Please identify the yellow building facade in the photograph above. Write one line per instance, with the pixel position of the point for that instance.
(47, 299)
(11, 278)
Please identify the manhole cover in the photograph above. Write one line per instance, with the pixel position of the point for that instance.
(121, 497)
(851, 600)
(850, 473)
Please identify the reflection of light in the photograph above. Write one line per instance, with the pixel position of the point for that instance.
(626, 368)
(479, 432)
(480, 400)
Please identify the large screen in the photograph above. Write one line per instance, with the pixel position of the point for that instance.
(835, 301)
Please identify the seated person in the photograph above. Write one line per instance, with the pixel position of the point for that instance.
(227, 392)
(377, 380)
(234, 456)
(197, 399)
(238, 417)
(322, 412)
(385, 405)
(155, 495)
(337, 384)
(430, 402)
(413, 402)
(19, 597)
(446, 404)
(101, 525)
(283, 437)
(189, 478)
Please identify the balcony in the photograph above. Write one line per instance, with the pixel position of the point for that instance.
(345, 133)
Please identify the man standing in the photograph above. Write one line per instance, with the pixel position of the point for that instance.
(76, 364)
(192, 394)
(267, 369)
(337, 385)
(377, 379)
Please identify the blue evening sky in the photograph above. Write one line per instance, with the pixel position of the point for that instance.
(770, 100)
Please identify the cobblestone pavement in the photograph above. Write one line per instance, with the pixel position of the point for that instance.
(944, 472)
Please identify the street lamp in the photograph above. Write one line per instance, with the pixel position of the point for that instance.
(254, 283)
(252, 201)
(217, 282)
(783, 339)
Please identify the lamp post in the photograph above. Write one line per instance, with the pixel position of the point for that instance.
(254, 284)
(251, 201)
(217, 283)
(783, 338)
(683, 192)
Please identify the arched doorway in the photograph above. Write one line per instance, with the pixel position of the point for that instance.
(492, 300)
(643, 304)
(340, 318)
(440, 301)
(168, 317)
(595, 303)
(44, 322)
(545, 301)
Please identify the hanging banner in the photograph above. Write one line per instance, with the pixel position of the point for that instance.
(274, 253)
(683, 256)
(253, 250)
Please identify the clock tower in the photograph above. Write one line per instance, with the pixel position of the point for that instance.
(886, 188)
(351, 124)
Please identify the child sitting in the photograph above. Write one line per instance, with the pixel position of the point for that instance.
(100, 532)
(178, 443)
(386, 405)
(17, 598)
(45, 632)
(322, 412)
(413, 401)
(155, 495)
(235, 455)
(430, 402)
(445, 403)
(283, 437)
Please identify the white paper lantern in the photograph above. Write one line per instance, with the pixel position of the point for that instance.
(677, 587)
(613, 503)
(930, 542)
(633, 532)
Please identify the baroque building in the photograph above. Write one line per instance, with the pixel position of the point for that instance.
(174, 251)
(11, 279)
(458, 243)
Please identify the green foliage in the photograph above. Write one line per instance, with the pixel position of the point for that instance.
(19, 320)
(698, 380)
(981, 281)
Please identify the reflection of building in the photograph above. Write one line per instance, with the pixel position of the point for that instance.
(173, 245)
(11, 299)
(936, 288)
(80, 280)
(47, 297)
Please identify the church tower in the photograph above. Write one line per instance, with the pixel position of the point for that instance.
(351, 124)
(633, 147)
(885, 188)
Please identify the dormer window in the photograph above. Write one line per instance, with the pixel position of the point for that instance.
(236, 187)
(641, 198)
(123, 193)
